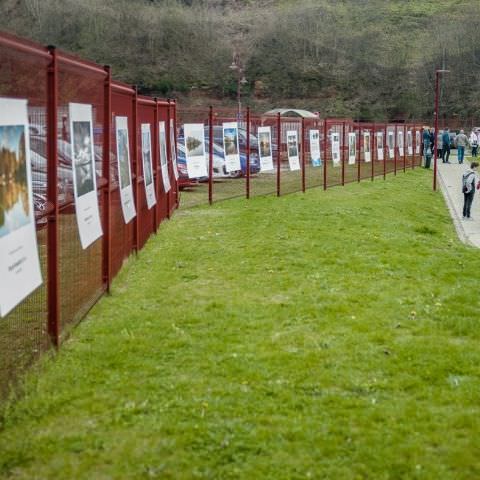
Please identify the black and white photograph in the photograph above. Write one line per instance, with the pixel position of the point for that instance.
(83, 157)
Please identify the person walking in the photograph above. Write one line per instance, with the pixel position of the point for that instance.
(427, 150)
(445, 146)
(432, 141)
(461, 141)
(473, 140)
(469, 180)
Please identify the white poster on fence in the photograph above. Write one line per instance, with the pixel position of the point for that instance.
(162, 144)
(401, 149)
(367, 154)
(173, 149)
(19, 264)
(147, 166)
(195, 150)
(391, 145)
(124, 169)
(315, 154)
(352, 148)
(230, 147)
(335, 139)
(409, 143)
(292, 150)
(265, 148)
(417, 141)
(380, 146)
(84, 176)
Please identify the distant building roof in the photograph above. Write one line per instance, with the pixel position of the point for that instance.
(291, 112)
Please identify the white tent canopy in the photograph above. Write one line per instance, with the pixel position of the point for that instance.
(291, 112)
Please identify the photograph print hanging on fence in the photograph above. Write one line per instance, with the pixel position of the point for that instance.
(84, 176)
(335, 139)
(147, 166)
(162, 143)
(173, 149)
(195, 150)
(391, 144)
(409, 143)
(231, 147)
(265, 148)
(19, 262)
(124, 169)
(367, 155)
(315, 155)
(380, 146)
(352, 148)
(401, 149)
(417, 142)
(292, 150)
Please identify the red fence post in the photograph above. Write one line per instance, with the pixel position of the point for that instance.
(156, 166)
(404, 148)
(53, 295)
(358, 153)
(303, 154)
(343, 154)
(279, 147)
(325, 151)
(169, 158)
(210, 155)
(247, 183)
(414, 145)
(373, 149)
(177, 190)
(395, 148)
(384, 141)
(107, 136)
(136, 170)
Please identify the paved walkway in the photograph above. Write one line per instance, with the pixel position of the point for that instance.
(450, 180)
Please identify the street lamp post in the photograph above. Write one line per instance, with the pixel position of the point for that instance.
(241, 80)
(437, 91)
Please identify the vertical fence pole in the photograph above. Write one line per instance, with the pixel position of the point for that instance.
(136, 170)
(414, 145)
(325, 151)
(373, 150)
(210, 155)
(358, 152)
(53, 294)
(156, 166)
(170, 160)
(343, 153)
(303, 154)
(384, 141)
(279, 148)
(107, 136)
(404, 148)
(177, 189)
(395, 149)
(247, 173)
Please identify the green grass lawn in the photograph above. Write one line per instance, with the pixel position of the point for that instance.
(326, 335)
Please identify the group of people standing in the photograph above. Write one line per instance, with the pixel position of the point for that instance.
(445, 139)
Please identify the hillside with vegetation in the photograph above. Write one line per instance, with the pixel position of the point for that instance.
(368, 59)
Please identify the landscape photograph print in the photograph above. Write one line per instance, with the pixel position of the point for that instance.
(194, 144)
(14, 197)
(147, 163)
(292, 146)
(123, 157)
(230, 139)
(265, 146)
(83, 158)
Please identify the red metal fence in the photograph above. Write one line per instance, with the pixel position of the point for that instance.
(74, 278)
(220, 185)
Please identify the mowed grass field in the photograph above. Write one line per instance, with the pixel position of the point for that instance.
(326, 335)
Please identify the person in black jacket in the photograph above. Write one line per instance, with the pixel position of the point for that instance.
(469, 180)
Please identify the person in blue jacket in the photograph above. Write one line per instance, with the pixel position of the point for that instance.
(445, 146)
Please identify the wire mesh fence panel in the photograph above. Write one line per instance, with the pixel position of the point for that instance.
(390, 150)
(263, 142)
(23, 332)
(146, 180)
(80, 270)
(337, 148)
(313, 141)
(123, 233)
(229, 154)
(291, 150)
(193, 190)
(163, 165)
